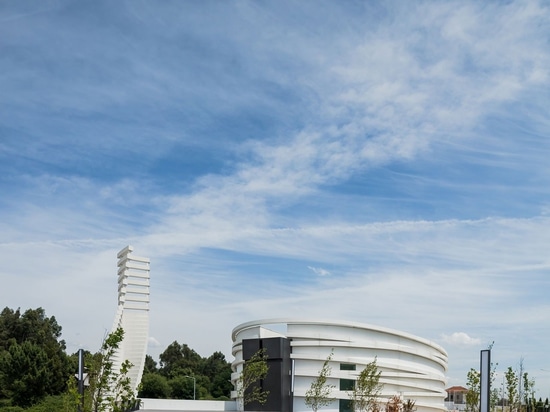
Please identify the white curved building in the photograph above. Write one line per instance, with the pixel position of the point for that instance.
(411, 367)
(132, 313)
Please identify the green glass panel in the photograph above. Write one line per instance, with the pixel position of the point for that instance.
(345, 405)
(347, 384)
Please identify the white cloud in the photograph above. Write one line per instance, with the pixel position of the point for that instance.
(319, 271)
(460, 338)
(154, 343)
(388, 113)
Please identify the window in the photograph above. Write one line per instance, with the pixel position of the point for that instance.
(347, 366)
(345, 405)
(347, 384)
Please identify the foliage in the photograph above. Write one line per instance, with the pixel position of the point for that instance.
(150, 366)
(48, 404)
(367, 389)
(396, 404)
(110, 390)
(33, 363)
(25, 373)
(520, 390)
(319, 394)
(155, 386)
(254, 370)
(409, 406)
(494, 393)
(11, 409)
(181, 387)
(35, 369)
(218, 371)
(528, 390)
(512, 387)
(473, 382)
(178, 360)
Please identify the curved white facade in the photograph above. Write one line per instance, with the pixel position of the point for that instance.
(132, 313)
(411, 367)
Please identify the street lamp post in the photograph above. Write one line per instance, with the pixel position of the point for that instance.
(194, 384)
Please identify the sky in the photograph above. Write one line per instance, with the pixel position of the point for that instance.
(382, 162)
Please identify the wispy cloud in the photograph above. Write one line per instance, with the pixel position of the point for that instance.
(396, 151)
(319, 271)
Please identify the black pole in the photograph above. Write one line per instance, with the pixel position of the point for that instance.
(485, 381)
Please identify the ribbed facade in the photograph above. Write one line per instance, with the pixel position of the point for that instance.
(411, 367)
(132, 313)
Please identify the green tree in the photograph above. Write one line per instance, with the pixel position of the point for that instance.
(253, 371)
(319, 394)
(528, 391)
(364, 396)
(181, 387)
(221, 386)
(109, 389)
(218, 371)
(33, 362)
(473, 382)
(512, 387)
(179, 360)
(24, 373)
(494, 393)
(150, 366)
(154, 385)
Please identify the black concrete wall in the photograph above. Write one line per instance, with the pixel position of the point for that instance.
(278, 379)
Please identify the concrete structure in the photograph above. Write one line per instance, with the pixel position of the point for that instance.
(174, 405)
(411, 367)
(132, 313)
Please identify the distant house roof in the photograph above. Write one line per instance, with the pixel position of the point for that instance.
(457, 389)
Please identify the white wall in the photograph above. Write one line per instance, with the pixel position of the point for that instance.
(182, 405)
(410, 366)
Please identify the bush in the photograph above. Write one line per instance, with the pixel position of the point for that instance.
(11, 409)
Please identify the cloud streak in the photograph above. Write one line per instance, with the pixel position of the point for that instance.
(381, 163)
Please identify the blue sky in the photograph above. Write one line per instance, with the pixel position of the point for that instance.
(379, 162)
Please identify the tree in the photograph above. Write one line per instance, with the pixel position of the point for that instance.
(512, 387)
(367, 389)
(181, 387)
(150, 365)
(30, 344)
(319, 394)
(154, 386)
(528, 391)
(494, 394)
(109, 389)
(25, 376)
(179, 360)
(473, 382)
(218, 371)
(254, 370)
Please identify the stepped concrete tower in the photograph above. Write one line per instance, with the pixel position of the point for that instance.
(132, 313)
